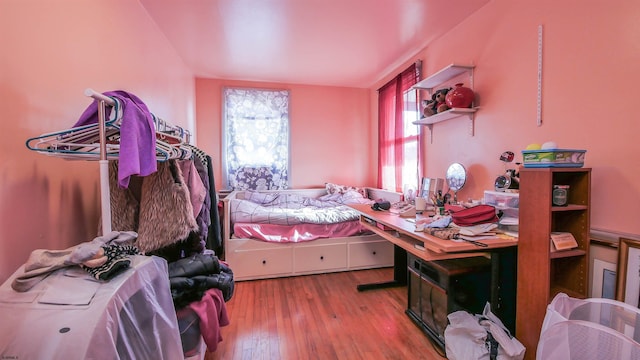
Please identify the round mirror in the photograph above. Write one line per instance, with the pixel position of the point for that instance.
(456, 177)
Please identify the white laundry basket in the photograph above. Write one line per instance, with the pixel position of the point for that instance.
(585, 329)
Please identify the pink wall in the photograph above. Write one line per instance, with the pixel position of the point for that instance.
(51, 52)
(590, 76)
(331, 131)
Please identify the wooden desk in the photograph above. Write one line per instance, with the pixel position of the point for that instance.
(407, 237)
(401, 232)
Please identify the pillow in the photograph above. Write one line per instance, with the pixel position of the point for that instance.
(341, 189)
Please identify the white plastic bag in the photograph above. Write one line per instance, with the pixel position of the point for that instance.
(480, 337)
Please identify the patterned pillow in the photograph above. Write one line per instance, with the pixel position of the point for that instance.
(341, 189)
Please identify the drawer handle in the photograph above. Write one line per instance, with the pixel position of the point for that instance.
(321, 257)
(264, 262)
(374, 253)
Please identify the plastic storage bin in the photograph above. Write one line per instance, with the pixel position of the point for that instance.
(508, 203)
(501, 199)
(553, 158)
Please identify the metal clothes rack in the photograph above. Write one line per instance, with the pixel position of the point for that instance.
(105, 196)
(100, 142)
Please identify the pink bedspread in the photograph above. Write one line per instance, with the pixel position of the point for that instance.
(297, 233)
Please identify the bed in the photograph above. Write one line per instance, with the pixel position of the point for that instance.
(278, 233)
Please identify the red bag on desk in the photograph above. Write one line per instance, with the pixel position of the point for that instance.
(475, 215)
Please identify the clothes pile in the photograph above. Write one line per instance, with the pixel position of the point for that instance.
(104, 257)
(201, 285)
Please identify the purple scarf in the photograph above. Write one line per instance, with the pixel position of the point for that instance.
(137, 135)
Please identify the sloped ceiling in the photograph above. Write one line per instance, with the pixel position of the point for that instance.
(351, 43)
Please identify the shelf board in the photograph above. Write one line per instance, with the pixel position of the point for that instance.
(570, 207)
(446, 115)
(443, 75)
(567, 253)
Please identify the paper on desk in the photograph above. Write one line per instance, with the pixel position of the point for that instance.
(512, 234)
(479, 237)
(508, 220)
(477, 229)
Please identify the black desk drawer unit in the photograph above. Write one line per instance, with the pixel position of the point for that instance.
(438, 288)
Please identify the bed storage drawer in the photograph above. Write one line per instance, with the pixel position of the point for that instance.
(370, 254)
(260, 263)
(320, 257)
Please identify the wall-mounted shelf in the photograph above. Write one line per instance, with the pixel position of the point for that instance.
(447, 115)
(430, 83)
(448, 73)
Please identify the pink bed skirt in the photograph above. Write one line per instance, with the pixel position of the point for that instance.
(297, 233)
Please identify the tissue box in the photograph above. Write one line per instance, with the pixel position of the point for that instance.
(553, 158)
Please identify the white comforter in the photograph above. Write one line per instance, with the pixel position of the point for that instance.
(291, 209)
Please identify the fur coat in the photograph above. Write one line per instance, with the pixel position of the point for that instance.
(157, 207)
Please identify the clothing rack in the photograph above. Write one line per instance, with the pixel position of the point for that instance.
(105, 196)
(101, 142)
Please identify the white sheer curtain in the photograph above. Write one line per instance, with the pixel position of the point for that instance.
(256, 132)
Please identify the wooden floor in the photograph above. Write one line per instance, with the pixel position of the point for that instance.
(321, 317)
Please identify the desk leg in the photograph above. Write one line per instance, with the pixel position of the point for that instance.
(503, 286)
(399, 272)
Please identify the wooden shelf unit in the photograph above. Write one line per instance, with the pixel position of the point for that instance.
(542, 274)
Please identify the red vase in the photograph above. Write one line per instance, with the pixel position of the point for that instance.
(460, 97)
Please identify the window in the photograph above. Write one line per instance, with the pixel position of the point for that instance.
(398, 138)
(256, 139)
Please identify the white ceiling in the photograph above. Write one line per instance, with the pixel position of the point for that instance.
(351, 43)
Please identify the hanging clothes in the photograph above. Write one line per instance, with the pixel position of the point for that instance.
(204, 217)
(215, 231)
(162, 210)
(209, 221)
(193, 181)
